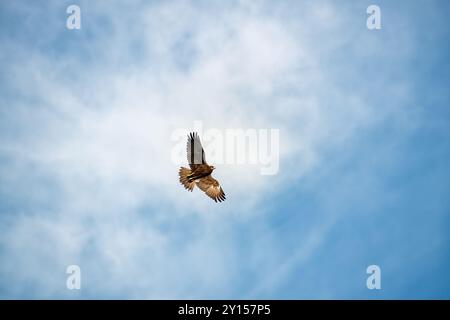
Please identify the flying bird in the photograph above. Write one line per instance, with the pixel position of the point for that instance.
(199, 173)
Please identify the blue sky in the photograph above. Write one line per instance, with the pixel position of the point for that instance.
(86, 175)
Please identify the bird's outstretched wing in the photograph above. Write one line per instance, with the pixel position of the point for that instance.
(195, 152)
(212, 188)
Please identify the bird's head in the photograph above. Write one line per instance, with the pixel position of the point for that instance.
(212, 167)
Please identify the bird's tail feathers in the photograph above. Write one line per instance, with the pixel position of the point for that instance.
(184, 174)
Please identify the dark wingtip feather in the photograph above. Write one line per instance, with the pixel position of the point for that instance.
(220, 198)
(192, 135)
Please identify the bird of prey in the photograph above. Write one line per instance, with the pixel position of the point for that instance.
(199, 173)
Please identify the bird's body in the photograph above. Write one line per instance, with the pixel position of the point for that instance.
(199, 173)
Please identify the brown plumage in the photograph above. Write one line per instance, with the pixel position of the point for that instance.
(200, 173)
